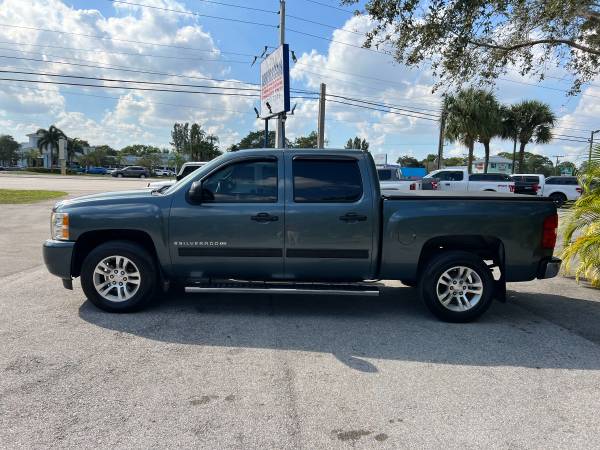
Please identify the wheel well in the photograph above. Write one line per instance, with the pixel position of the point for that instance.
(92, 239)
(486, 247)
(489, 190)
(558, 193)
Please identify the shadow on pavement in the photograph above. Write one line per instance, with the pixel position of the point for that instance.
(395, 326)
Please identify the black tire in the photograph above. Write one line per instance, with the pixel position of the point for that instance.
(140, 257)
(142, 176)
(119, 175)
(558, 198)
(436, 267)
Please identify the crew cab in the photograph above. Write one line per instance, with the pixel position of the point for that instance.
(459, 179)
(300, 221)
(391, 179)
(562, 189)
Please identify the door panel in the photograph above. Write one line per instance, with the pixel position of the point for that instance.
(328, 224)
(237, 230)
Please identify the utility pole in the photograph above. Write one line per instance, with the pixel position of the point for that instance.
(556, 165)
(591, 145)
(321, 124)
(441, 140)
(280, 128)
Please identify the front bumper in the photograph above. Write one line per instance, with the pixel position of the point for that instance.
(58, 256)
(549, 268)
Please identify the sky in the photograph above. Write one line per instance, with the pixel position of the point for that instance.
(217, 40)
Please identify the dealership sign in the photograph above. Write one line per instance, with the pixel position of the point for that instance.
(275, 83)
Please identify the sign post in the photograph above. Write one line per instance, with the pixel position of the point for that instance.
(62, 155)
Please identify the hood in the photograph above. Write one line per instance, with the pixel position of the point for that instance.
(113, 197)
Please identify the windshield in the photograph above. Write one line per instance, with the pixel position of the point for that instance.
(194, 174)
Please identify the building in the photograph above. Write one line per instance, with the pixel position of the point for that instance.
(497, 164)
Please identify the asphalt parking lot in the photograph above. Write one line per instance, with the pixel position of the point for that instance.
(265, 371)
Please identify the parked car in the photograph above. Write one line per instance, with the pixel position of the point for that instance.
(96, 170)
(391, 179)
(458, 179)
(110, 170)
(300, 221)
(132, 171)
(529, 183)
(163, 172)
(561, 189)
(184, 171)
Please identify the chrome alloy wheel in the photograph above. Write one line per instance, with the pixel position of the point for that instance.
(116, 278)
(459, 288)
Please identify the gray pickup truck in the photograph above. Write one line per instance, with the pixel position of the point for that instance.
(302, 222)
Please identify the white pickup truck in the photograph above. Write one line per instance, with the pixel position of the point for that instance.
(458, 179)
(391, 179)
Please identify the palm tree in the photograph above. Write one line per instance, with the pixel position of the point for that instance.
(75, 145)
(510, 129)
(535, 121)
(462, 119)
(49, 139)
(582, 227)
(489, 114)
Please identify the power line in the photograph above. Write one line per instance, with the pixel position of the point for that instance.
(335, 41)
(190, 13)
(95, 50)
(105, 38)
(116, 80)
(123, 69)
(383, 105)
(382, 110)
(329, 6)
(249, 8)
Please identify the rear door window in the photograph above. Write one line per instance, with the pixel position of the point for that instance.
(449, 175)
(326, 181)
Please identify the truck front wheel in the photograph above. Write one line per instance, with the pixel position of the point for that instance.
(119, 276)
(457, 286)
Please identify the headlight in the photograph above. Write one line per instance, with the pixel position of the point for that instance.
(59, 226)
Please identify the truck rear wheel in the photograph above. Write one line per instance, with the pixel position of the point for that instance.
(119, 276)
(457, 286)
(558, 198)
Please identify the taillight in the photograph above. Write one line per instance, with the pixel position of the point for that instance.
(536, 187)
(549, 231)
(511, 187)
(413, 186)
(434, 186)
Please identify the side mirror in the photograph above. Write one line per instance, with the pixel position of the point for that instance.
(195, 192)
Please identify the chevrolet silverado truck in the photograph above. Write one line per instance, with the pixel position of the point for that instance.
(300, 222)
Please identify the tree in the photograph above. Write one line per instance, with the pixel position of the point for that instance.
(150, 160)
(194, 142)
(408, 161)
(95, 158)
(463, 119)
(534, 163)
(75, 145)
(309, 141)
(490, 122)
(581, 233)
(180, 136)
(535, 121)
(8, 150)
(176, 160)
(511, 130)
(49, 139)
(108, 149)
(358, 144)
(139, 150)
(254, 139)
(471, 40)
(455, 161)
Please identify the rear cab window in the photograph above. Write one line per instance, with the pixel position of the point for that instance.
(326, 180)
(449, 175)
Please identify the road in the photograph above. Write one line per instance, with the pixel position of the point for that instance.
(265, 371)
